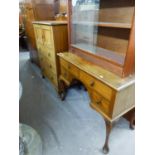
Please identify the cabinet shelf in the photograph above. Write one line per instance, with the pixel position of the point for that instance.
(104, 53)
(104, 24)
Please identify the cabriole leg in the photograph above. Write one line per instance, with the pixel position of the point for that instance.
(108, 131)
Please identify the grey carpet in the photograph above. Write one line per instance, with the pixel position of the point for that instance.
(70, 127)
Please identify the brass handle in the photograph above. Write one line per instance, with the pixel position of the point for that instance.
(92, 83)
(51, 77)
(98, 102)
(49, 54)
(50, 66)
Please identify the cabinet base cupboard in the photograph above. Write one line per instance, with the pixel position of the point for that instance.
(51, 38)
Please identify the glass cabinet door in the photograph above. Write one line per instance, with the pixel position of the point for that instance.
(102, 27)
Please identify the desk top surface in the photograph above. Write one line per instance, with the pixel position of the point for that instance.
(99, 73)
(50, 22)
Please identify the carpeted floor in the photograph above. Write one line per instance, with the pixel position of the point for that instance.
(70, 127)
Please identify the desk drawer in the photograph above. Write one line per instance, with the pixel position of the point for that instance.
(66, 74)
(96, 85)
(71, 68)
(101, 103)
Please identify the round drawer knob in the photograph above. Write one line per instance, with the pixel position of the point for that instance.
(98, 102)
(50, 66)
(49, 54)
(92, 83)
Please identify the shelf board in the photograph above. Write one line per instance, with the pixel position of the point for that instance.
(104, 53)
(104, 24)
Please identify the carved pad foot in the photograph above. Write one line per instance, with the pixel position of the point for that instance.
(105, 149)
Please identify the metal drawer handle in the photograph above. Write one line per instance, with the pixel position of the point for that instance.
(50, 66)
(98, 102)
(49, 54)
(51, 77)
(92, 83)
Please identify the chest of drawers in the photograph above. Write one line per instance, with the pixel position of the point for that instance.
(51, 38)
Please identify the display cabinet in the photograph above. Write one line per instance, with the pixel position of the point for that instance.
(102, 32)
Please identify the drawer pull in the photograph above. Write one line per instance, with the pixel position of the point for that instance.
(50, 66)
(49, 54)
(98, 102)
(92, 83)
(51, 77)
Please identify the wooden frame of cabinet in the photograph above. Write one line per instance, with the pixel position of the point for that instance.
(127, 27)
(51, 38)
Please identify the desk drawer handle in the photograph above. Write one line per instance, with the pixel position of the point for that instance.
(98, 102)
(50, 66)
(92, 83)
(49, 54)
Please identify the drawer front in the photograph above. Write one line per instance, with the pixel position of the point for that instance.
(49, 53)
(51, 67)
(64, 63)
(47, 35)
(48, 71)
(101, 103)
(66, 74)
(71, 68)
(41, 60)
(96, 85)
(53, 78)
(38, 34)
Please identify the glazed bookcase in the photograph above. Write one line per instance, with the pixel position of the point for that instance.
(102, 32)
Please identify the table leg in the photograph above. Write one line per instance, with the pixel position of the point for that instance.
(108, 131)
